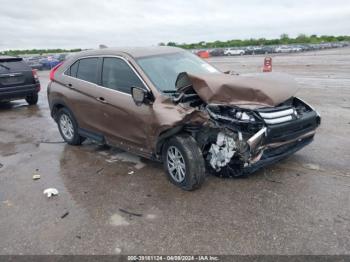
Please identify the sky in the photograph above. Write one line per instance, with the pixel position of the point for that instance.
(26, 24)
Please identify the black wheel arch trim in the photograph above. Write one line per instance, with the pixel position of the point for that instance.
(55, 105)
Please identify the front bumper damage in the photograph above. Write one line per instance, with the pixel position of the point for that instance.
(253, 120)
(281, 131)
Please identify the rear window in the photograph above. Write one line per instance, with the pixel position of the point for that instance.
(13, 66)
(87, 69)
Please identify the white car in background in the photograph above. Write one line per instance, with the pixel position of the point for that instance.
(231, 51)
(287, 49)
(283, 49)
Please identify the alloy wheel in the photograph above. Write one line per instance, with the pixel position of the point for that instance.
(176, 164)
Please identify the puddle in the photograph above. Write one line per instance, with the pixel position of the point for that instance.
(125, 157)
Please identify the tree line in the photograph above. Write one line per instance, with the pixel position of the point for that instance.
(283, 40)
(38, 51)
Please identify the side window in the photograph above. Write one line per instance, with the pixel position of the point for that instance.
(87, 69)
(117, 75)
(74, 69)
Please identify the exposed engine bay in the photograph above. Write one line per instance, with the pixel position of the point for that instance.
(239, 140)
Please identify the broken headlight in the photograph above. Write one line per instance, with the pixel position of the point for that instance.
(231, 114)
(244, 116)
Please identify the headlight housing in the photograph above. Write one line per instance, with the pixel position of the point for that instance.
(230, 114)
(244, 116)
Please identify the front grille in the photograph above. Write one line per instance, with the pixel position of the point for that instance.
(278, 116)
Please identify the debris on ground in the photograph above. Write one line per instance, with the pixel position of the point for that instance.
(100, 170)
(118, 220)
(111, 160)
(8, 203)
(50, 192)
(36, 177)
(151, 216)
(1, 165)
(130, 213)
(311, 166)
(118, 250)
(64, 215)
(131, 172)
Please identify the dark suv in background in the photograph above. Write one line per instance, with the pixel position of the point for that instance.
(18, 80)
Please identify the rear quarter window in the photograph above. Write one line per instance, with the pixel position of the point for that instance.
(73, 69)
(87, 69)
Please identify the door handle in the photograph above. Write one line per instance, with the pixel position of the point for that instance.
(101, 99)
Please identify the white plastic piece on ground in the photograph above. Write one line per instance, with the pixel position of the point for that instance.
(222, 152)
(36, 177)
(117, 250)
(50, 192)
(118, 220)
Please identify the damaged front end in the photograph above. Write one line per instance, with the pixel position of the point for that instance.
(239, 140)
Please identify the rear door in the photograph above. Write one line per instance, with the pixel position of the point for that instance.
(83, 94)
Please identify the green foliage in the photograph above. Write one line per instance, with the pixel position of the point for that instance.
(38, 51)
(283, 40)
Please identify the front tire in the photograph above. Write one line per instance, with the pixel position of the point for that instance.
(68, 127)
(32, 99)
(184, 162)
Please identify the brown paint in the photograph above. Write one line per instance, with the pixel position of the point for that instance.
(137, 128)
(250, 91)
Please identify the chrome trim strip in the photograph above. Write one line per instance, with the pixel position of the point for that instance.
(277, 114)
(278, 120)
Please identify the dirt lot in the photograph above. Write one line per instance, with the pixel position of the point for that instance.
(299, 206)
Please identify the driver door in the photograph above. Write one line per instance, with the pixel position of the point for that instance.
(123, 123)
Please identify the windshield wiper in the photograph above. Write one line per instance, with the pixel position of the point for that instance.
(4, 66)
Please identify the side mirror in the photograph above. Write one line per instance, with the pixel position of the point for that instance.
(139, 95)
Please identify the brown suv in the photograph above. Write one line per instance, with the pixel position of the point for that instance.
(167, 104)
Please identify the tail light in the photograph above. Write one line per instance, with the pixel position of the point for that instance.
(36, 79)
(53, 71)
(35, 74)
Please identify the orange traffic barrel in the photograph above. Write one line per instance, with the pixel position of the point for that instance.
(267, 64)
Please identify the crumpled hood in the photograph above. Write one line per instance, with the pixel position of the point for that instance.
(249, 90)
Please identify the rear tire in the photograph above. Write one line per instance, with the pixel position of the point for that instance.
(68, 127)
(32, 99)
(184, 162)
